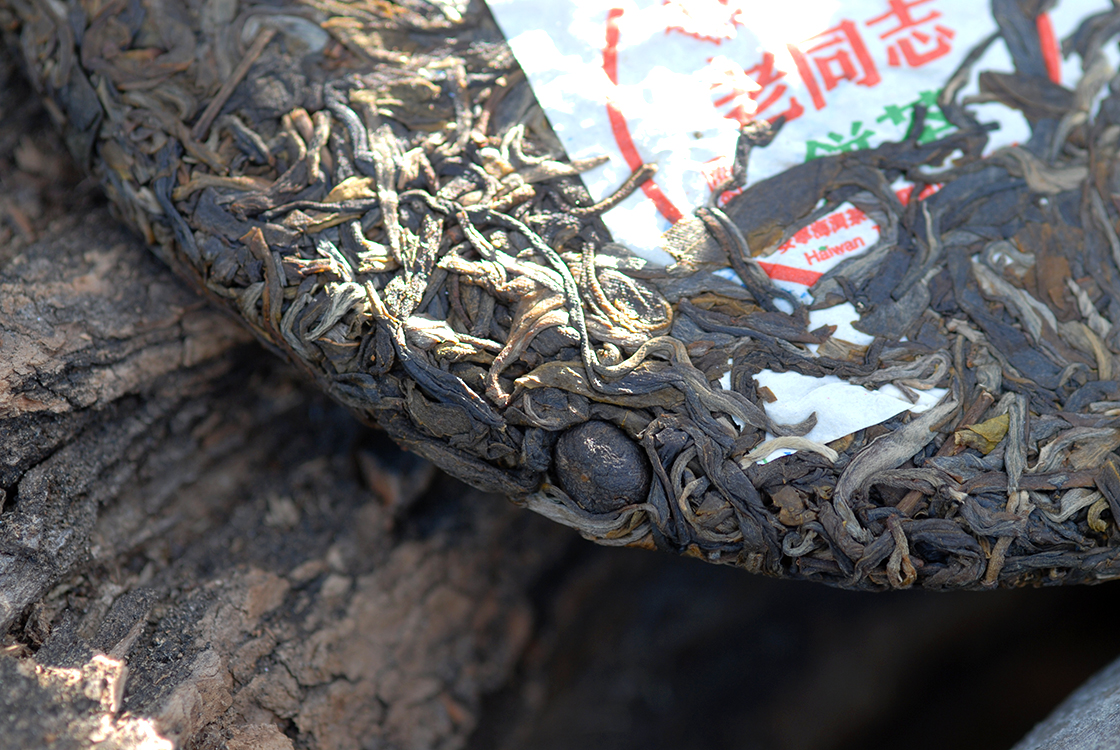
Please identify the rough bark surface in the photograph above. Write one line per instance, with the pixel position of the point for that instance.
(1088, 719)
(195, 548)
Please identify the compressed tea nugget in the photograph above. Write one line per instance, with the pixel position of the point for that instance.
(371, 188)
(601, 467)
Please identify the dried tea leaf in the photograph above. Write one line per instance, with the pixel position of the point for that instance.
(792, 507)
(351, 188)
(985, 436)
(371, 188)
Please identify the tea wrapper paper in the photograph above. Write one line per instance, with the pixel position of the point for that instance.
(672, 81)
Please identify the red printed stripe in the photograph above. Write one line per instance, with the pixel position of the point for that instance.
(619, 127)
(787, 273)
(1049, 42)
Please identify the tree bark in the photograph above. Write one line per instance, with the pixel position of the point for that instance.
(190, 550)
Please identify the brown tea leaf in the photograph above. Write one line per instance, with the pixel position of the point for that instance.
(985, 436)
(371, 188)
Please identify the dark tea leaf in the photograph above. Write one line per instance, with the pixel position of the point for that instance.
(372, 189)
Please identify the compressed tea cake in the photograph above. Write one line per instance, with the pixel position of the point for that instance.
(370, 187)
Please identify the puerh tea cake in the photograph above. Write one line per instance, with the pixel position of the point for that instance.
(371, 188)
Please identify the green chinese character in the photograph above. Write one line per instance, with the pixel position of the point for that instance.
(897, 114)
(859, 139)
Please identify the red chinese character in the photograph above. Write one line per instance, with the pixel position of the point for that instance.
(733, 88)
(837, 222)
(765, 75)
(716, 171)
(900, 11)
(819, 229)
(838, 54)
(802, 236)
(752, 93)
(855, 216)
(929, 190)
(708, 21)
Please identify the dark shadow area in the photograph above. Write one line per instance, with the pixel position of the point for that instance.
(647, 651)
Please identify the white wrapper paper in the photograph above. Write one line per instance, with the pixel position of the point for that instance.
(672, 81)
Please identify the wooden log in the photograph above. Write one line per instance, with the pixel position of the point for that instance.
(1088, 718)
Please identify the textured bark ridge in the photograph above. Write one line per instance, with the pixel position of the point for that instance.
(1089, 718)
(190, 551)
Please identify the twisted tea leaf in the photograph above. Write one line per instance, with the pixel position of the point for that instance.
(370, 187)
